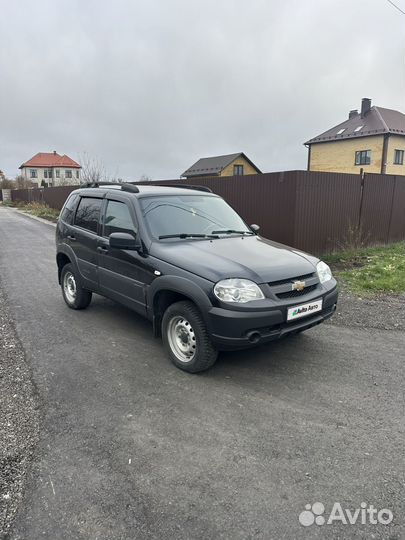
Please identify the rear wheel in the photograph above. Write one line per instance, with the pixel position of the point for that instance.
(74, 295)
(186, 339)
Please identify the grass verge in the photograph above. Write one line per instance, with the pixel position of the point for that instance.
(370, 271)
(36, 209)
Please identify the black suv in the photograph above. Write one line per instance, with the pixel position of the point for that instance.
(183, 258)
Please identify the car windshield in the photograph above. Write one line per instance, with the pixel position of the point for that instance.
(184, 216)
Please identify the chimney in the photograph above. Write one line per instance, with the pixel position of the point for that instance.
(353, 113)
(54, 152)
(365, 106)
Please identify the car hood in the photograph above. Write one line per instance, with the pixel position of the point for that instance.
(250, 257)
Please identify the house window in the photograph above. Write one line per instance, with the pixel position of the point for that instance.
(399, 157)
(358, 128)
(68, 173)
(238, 170)
(77, 174)
(341, 131)
(57, 173)
(363, 157)
(33, 173)
(48, 173)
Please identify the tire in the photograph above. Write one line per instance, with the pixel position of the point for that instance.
(73, 294)
(186, 339)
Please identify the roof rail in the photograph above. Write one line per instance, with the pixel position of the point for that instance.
(97, 184)
(185, 186)
(124, 186)
(129, 187)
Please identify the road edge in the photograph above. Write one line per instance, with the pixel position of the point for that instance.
(21, 407)
(41, 220)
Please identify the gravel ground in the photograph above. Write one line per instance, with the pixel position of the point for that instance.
(384, 312)
(19, 419)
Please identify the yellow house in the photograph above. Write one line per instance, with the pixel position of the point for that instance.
(229, 165)
(370, 141)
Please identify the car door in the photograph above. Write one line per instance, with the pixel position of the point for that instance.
(83, 238)
(122, 273)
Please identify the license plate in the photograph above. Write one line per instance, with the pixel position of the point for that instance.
(303, 310)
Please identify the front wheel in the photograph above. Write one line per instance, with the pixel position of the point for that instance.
(186, 339)
(73, 294)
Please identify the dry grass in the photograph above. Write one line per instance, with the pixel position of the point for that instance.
(35, 208)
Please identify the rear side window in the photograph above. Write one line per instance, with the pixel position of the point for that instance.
(69, 209)
(88, 213)
(118, 219)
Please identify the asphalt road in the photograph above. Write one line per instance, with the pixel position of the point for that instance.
(133, 448)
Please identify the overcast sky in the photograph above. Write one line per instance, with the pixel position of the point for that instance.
(149, 86)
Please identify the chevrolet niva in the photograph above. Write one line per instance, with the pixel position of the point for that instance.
(183, 258)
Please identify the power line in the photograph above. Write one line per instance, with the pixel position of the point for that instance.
(395, 6)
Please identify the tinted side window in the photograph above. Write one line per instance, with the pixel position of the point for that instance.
(118, 219)
(88, 213)
(69, 209)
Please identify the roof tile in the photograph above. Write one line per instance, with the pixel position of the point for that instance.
(50, 159)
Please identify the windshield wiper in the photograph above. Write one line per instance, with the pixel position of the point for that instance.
(188, 235)
(232, 231)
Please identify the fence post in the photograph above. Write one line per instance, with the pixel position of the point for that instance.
(391, 209)
(363, 176)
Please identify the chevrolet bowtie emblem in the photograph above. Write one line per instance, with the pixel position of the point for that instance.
(298, 285)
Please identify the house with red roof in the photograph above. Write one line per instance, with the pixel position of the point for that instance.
(51, 169)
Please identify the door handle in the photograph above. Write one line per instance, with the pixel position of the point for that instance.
(102, 249)
(72, 238)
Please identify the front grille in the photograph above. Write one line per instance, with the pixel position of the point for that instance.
(296, 294)
(290, 280)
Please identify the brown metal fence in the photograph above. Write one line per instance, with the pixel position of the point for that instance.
(54, 197)
(317, 211)
(313, 211)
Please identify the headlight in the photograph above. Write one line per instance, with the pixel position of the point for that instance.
(237, 290)
(323, 271)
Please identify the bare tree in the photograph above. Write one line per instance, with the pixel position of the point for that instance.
(6, 183)
(93, 169)
(22, 183)
(65, 181)
(145, 178)
(115, 179)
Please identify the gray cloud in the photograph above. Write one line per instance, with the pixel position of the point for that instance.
(149, 86)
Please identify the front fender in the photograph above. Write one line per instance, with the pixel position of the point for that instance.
(180, 285)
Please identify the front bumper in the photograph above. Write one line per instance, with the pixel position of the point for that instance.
(231, 330)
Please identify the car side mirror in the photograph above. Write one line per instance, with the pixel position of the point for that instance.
(255, 228)
(122, 240)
